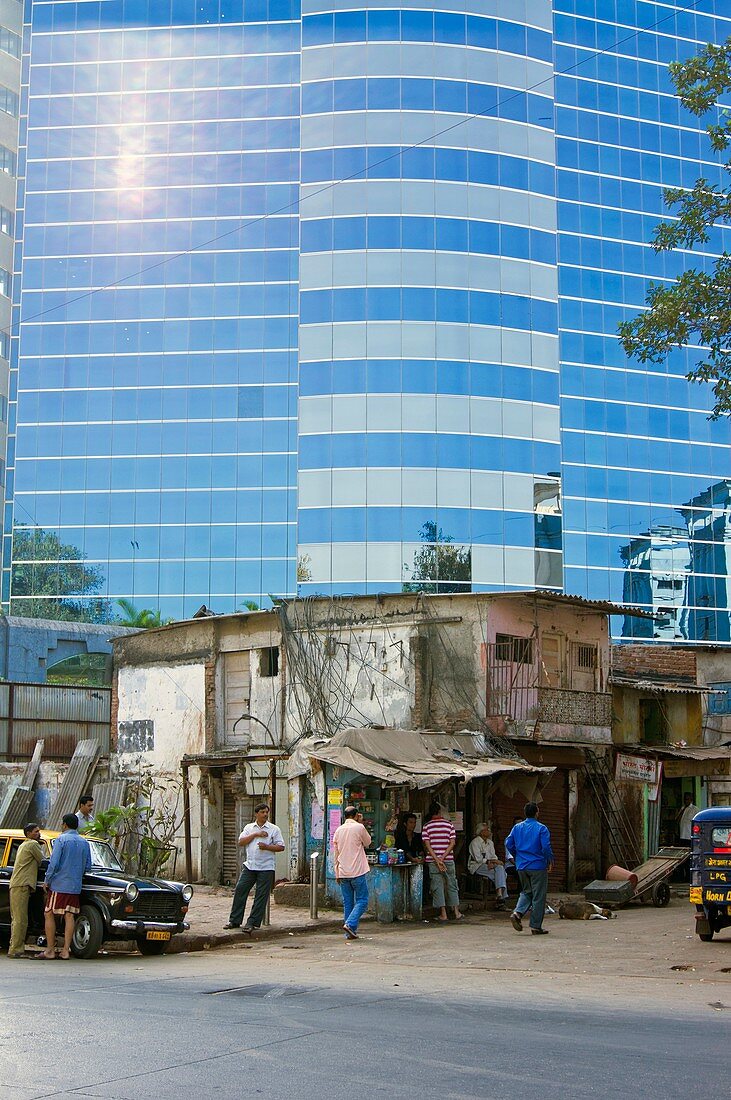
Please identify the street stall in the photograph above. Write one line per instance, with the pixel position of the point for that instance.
(386, 773)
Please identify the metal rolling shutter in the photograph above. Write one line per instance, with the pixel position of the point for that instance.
(237, 812)
(552, 811)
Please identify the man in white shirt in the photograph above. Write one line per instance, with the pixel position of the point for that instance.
(85, 812)
(262, 840)
(685, 817)
(483, 861)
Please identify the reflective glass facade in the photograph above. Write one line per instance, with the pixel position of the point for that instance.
(363, 271)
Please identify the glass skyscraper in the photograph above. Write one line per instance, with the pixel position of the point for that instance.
(324, 298)
(10, 50)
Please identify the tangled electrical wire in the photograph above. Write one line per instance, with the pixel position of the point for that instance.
(339, 655)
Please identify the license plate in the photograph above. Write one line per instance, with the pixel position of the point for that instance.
(158, 935)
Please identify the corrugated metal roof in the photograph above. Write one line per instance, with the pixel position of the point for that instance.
(14, 812)
(76, 779)
(545, 594)
(548, 596)
(683, 752)
(62, 703)
(660, 686)
(109, 794)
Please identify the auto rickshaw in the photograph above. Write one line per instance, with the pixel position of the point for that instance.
(710, 871)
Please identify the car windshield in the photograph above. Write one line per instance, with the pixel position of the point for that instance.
(102, 854)
(721, 836)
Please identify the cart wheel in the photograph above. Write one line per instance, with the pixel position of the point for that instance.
(660, 895)
(705, 936)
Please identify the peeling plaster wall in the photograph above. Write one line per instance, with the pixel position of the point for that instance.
(173, 699)
(682, 714)
(162, 708)
(373, 666)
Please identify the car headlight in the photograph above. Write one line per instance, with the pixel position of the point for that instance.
(187, 893)
(131, 891)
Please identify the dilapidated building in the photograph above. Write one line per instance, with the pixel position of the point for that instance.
(206, 695)
(670, 704)
(228, 698)
(528, 675)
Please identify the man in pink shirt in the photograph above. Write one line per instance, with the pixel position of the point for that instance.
(350, 841)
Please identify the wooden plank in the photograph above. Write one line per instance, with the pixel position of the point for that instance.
(658, 866)
(83, 762)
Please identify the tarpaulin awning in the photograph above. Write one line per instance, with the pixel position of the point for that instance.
(417, 758)
(687, 759)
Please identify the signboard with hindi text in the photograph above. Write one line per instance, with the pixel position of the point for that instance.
(639, 769)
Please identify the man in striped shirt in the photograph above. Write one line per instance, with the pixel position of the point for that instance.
(439, 839)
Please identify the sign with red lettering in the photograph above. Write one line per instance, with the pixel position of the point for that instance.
(639, 769)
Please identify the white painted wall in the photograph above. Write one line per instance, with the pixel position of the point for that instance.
(173, 698)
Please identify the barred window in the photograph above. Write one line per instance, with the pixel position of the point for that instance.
(586, 656)
(508, 647)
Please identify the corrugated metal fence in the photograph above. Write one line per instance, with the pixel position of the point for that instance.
(59, 714)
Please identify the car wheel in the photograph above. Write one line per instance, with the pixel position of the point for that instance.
(88, 933)
(152, 947)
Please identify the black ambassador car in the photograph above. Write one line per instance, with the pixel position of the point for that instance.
(114, 904)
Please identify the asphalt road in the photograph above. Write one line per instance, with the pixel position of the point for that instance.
(328, 1020)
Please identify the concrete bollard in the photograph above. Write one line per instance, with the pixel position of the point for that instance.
(313, 885)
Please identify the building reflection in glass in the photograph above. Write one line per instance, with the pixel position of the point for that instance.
(683, 574)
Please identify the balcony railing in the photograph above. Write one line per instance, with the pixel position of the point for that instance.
(575, 708)
(557, 706)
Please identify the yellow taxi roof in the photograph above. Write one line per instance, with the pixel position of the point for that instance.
(46, 834)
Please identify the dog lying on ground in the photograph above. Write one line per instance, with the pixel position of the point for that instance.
(583, 910)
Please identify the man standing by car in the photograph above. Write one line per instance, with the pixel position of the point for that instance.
(262, 840)
(85, 812)
(529, 843)
(70, 860)
(22, 885)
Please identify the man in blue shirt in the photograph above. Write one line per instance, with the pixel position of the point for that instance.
(529, 843)
(70, 859)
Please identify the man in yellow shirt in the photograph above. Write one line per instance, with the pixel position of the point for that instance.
(23, 882)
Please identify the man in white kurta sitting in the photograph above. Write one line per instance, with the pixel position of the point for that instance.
(483, 861)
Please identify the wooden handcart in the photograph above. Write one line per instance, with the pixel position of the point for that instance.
(654, 873)
(649, 881)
